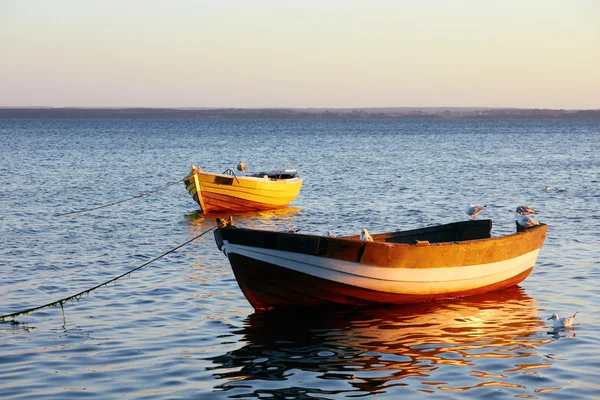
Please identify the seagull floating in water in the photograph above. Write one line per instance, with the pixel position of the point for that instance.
(547, 188)
(562, 322)
(364, 236)
(526, 221)
(473, 210)
(525, 210)
(241, 166)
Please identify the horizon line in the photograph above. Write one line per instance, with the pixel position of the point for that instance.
(290, 108)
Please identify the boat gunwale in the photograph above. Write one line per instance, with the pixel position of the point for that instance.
(294, 179)
(409, 254)
(356, 238)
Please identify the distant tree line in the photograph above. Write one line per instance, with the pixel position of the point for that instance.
(289, 113)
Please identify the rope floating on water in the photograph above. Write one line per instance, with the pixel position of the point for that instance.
(121, 201)
(77, 296)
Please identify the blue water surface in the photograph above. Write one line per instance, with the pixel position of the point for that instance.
(181, 328)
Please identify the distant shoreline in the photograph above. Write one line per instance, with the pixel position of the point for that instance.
(383, 113)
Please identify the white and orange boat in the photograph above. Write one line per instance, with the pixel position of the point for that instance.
(228, 192)
(287, 270)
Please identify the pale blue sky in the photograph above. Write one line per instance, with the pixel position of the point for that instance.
(226, 53)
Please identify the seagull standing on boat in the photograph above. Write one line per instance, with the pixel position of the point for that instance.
(562, 322)
(241, 166)
(523, 219)
(472, 210)
(364, 236)
(526, 221)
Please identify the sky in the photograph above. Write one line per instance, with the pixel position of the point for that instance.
(300, 53)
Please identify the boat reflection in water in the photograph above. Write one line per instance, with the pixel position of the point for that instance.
(388, 350)
(249, 219)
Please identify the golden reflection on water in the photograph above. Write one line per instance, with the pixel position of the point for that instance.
(380, 348)
(267, 219)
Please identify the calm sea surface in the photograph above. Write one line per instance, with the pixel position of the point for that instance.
(181, 328)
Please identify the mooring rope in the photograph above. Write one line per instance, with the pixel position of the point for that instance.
(229, 171)
(121, 201)
(87, 291)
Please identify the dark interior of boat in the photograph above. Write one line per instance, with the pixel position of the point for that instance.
(454, 232)
(317, 245)
(287, 174)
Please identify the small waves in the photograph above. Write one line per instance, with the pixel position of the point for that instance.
(181, 328)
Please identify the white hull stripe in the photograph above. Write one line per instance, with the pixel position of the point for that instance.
(392, 280)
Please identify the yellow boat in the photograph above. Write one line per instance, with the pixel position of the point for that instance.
(228, 192)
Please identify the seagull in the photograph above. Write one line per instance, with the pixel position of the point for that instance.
(526, 221)
(562, 322)
(329, 234)
(547, 188)
(241, 166)
(525, 210)
(364, 236)
(472, 210)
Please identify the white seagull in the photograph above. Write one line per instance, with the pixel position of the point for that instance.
(473, 210)
(526, 221)
(364, 236)
(562, 322)
(525, 210)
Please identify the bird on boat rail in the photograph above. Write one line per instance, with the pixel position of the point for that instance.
(524, 218)
(365, 236)
(473, 210)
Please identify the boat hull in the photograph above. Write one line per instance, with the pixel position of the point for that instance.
(229, 193)
(268, 286)
(279, 270)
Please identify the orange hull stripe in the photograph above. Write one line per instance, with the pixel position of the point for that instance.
(217, 202)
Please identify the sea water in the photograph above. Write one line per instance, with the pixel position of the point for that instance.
(181, 328)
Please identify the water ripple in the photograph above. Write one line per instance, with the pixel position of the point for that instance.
(181, 328)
